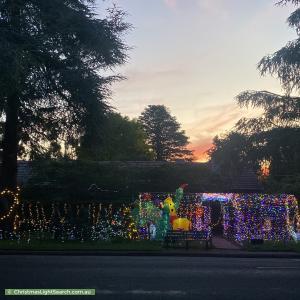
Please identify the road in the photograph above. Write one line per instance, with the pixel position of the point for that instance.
(155, 277)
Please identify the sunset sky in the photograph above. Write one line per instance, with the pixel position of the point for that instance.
(195, 56)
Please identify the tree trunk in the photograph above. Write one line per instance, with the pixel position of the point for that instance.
(158, 151)
(10, 137)
(10, 145)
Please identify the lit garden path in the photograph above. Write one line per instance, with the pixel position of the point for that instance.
(220, 243)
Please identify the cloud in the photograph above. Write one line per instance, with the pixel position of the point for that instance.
(201, 148)
(171, 3)
(214, 120)
(216, 8)
(144, 87)
(211, 7)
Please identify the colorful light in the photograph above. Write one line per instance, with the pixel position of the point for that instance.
(260, 216)
(244, 217)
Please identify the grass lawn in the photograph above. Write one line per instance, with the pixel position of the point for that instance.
(274, 246)
(77, 245)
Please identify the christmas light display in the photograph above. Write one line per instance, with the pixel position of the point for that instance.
(216, 197)
(16, 201)
(260, 216)
(182, 224)
(185, 212)
(243, 217)
(146, 214)
(63, 221)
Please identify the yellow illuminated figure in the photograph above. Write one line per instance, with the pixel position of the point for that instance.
(172, 210)
(182, 224)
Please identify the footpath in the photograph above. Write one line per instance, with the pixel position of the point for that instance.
(168, 253)
(221, 243)
(221, 248)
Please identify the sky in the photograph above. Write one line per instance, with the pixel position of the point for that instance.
(195, 57)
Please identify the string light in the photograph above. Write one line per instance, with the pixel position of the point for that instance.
(15, 203)
(243, 216)
(191, 207)
(16, 222)
(259, 216)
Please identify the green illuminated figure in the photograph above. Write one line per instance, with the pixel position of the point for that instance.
(179, 195)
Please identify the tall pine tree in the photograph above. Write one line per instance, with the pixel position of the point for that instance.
(51, 88)
(167, 140)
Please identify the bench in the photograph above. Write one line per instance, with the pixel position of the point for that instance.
(174, 236)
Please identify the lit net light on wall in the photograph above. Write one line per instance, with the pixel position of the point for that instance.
(260, 216)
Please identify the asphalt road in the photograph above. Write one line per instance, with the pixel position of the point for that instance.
(155, 277)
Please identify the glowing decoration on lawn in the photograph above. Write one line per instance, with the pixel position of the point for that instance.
(164, 222)
(144, 214)
(179, 211)
(152, 231)
(169, 212)
(169, 207)
(16, 201)
(182, 224)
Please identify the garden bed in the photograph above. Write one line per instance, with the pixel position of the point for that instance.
(78, 245)
(273, 246)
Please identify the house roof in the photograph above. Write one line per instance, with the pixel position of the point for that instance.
(24, 171)
(246, 181)
(25, 167)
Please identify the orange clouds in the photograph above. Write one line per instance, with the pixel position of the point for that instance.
(212, 121)
(200, 151)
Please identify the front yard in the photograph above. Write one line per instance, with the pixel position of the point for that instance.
(273, 246)
(77, 245)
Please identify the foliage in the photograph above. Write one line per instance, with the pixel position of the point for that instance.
(285, 184)
(273, 138)
(272, 246)
(278, 111)
(284, 64)
(122, 139)
(231, 153)
(50, 245)
(278, 148)
(164, 136)
(51, 90)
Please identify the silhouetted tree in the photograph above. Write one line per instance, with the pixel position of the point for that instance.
(277, 131)
(122, 139)
(231, 153)
(51, 90)
(164, 136)
(284, 63)
(274, 136)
